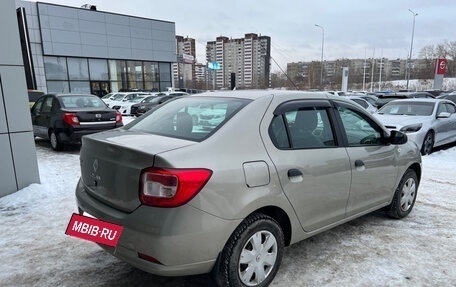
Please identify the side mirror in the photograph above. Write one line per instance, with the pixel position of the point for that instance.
(444, 115)
(397, 138)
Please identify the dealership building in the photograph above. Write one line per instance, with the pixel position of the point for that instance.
(83, 50)
(56, 48)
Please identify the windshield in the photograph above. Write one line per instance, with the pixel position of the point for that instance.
(408, 108)
(191, 118)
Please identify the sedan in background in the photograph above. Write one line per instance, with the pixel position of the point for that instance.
(274, 168)
(65, 118)
(427, 122)
(363, 103)
(124, 107)
(150, 103)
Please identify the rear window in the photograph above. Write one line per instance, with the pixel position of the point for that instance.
(192, 118)
(81, 101)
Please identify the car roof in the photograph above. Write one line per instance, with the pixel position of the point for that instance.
(422, 100)
(256, 94)
(71, 94)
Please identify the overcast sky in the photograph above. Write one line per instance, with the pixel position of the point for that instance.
(352, 28)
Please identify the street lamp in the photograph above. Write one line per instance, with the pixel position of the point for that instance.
(322, 47)
(411, 47)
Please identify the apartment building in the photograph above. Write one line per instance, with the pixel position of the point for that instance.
(246, 59)
(184, 69)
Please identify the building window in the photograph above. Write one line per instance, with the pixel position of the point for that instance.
(80, 87)
(58, 87)
(78, 69)
(55, 68)
(98, 70)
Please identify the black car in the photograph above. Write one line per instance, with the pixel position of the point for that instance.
(450, 96)
(386, 98)
(151, 102)
(65, 118)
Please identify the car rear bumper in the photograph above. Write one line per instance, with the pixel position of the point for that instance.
(185, 240)
(74, 135)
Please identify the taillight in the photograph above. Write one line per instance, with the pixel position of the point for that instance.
(118, 117)
(171, 187)
(70, 118)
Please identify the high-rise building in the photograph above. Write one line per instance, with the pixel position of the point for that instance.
(248, 59)
(184, 69)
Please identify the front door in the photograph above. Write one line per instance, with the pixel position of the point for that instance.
(314, 169)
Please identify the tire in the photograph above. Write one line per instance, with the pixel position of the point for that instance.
(56, 143)
(428, 143)
(244, 261)
(405, 196)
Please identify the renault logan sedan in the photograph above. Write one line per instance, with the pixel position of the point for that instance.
(279, 167)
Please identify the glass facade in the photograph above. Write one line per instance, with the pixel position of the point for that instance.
(100, 76)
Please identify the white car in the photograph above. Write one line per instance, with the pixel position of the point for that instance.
(427, 122)
(364, 103)
(119, 98)
(124, 107)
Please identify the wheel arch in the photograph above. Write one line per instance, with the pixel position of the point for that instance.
(417, 168)
(282, 219)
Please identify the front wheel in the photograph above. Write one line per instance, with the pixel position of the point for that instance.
(405, 196)
(253, 253)
(428, 143)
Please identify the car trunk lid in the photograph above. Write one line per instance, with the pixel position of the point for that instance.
(112, 161)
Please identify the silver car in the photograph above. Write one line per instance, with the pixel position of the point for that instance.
(279, 167)
(428, 122)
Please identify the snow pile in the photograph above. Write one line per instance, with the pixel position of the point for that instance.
(370, 251)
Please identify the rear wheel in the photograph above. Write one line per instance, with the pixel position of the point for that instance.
(405, 196)
(253, 253)
(56, 143)
(428, 143)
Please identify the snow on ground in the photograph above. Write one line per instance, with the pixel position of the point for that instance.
(371, 251)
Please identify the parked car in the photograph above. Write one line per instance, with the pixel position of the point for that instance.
(364, 103)
(65, 118)
(427, 122)
(280, 167)
(125, 106)
(383, 99)
(449, 96)
(150, 103)
(120, 97)
(370, 98)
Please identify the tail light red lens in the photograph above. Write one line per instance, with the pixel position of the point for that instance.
(70, 118)
(118, 117)
(171, 187)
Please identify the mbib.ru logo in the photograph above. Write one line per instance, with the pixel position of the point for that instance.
(95, 230)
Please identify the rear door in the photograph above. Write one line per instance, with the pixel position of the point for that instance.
(374, 164)
(313, 169)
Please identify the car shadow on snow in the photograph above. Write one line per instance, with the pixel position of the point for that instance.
(68, 148)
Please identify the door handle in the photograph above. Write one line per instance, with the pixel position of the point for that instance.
(295, 175)
(294, 172)
(359, 163)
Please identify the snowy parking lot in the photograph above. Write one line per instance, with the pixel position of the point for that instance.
(371, 251)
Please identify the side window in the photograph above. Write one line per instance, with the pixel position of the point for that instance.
(359, 130)
(47, 105)
(302, 128)
(441, 108)
(450, 108)
(38, 105)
